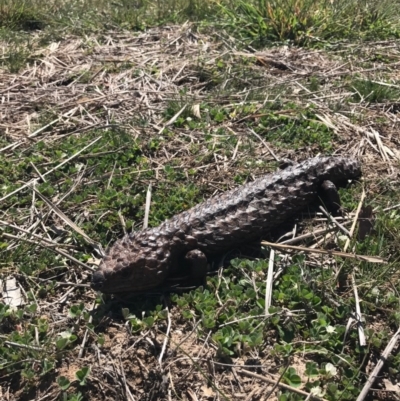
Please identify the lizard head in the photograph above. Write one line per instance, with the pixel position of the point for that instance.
(131, 265)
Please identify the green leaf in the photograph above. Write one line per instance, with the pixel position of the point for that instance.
(149, 321)
(76, 310)
(61, 343)
(100, 340)
(312, 369)
(292, 378)
(65, 338)
(47, 366)
(82, 375)
(63, 382)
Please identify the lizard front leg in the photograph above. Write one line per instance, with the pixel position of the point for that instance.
(330, 197)
(196, 261)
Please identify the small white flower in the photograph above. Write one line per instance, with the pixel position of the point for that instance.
(317, 391)
(342, 239)
(330, 369)
(79, 166)
(375, 291)
(330, 329)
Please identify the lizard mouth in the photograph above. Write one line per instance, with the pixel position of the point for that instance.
(97, 281)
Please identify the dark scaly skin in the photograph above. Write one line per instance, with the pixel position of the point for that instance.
(145, 259)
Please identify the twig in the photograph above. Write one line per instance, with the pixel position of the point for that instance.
(333, 220)
(38, 172)
(52, 248)
(280, 384)
(147, 208)
(30, 347)
(166, 338)
(265, 144)
(122, 373)
(358, 315)
(173, 119)
(37, 132)
(268, 285)
(371, 259)
(391, 207)
(68, 221)
(48, 242)
(309, 235)
(353, 226)
(122, 220)
(86, 332)
(346, 331)
(379, 366)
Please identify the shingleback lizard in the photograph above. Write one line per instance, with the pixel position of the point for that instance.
(145, 259)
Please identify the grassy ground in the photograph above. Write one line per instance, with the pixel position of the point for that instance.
(101, 99)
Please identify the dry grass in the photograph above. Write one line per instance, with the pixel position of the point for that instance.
(85, 85)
